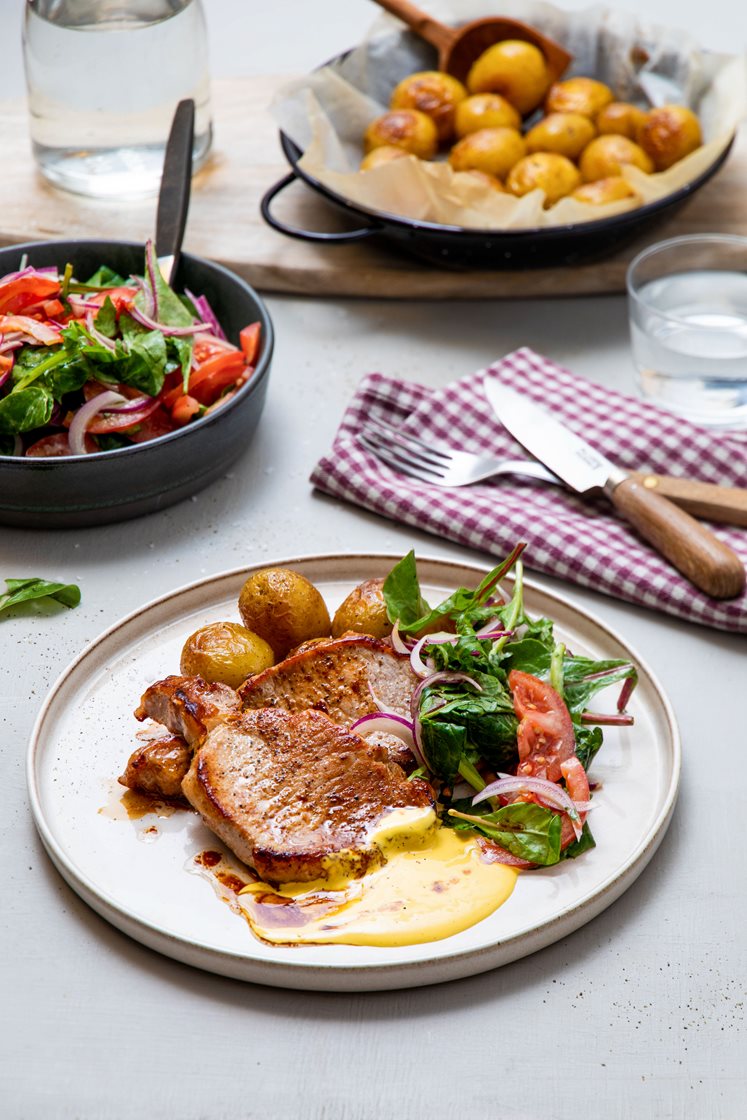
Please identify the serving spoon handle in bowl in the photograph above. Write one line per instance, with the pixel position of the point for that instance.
(459, 47)
(176, 182)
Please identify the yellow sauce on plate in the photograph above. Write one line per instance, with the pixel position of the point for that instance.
(435, 882)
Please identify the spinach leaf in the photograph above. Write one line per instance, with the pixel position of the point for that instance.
(172, 312)
(24, 590)
(106, 319)
(106, 277)
(588, 741)
(401, 592)
(145, 364)
(444, 745)
(25, 409)
(528, 831)
(584, 843)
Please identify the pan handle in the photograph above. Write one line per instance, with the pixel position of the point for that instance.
(307, 234)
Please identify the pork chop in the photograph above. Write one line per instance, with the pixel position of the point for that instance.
(345, 678)
(295, 795)
(187, 706)
(157, 767)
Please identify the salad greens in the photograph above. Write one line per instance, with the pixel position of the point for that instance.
(24, 590)
(87, 366)
(466, 721)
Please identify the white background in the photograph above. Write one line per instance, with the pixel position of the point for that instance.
(639, 1014)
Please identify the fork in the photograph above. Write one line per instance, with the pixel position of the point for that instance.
(445, 466)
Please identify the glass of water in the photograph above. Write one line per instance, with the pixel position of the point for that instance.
(104, 78)
(687, 300)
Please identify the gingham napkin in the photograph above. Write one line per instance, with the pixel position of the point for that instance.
(576, 539)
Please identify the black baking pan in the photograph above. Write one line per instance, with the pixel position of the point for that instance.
(459, 248)
(106, 486)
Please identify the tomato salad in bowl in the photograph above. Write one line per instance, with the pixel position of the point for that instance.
(110, 361)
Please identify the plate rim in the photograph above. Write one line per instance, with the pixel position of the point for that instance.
(332, 976)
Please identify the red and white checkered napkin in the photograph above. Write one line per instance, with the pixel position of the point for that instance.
(576, 539)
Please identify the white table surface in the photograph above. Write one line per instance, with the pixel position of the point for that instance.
(638, 1014)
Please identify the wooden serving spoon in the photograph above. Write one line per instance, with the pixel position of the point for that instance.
(459, 47)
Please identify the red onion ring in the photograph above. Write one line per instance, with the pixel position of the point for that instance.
(548, 792)
(154, 325)
(77, 434)
(388, 723)
(419, 667)
(102, 340)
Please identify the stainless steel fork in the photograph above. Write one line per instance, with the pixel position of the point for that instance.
(443, 466)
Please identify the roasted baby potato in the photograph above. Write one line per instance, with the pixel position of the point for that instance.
(552, 173)
(403, 128)
(485, 110)
(669, 133)
(621, 118)
(565, 133)
(578, 95)
(487, 180)
(364, 611)
(225, 652)
(433, 93)
(607, 155)
(379, 156)
(284, 608)
(513, 68)
(493, 150)
(611, 189)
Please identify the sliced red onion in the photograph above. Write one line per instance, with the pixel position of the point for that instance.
(205, 311)
(486, 630)
(399, 642)
(77, 435)
(154, 325)
(100, 338)
(420, 667)
(17, 446)
(390, 724)
(4, 376)
(553, 795)
(135, 405)
(442, 677)
(47, 270)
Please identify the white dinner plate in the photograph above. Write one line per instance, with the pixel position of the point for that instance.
(135, 872)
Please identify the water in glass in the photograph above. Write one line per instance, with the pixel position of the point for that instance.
(104, 78)
(689, 338)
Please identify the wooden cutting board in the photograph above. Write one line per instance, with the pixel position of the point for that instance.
(225, 223)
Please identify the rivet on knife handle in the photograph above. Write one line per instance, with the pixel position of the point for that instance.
(689, 546)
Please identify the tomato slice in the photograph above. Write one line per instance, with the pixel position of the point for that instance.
(545, 734)
(249, 339)
(121, 298)
(159, 423)
(184, 408)
(54, 447)
(24, 291)
(121, 421)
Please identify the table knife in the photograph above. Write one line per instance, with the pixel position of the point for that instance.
(692, 548)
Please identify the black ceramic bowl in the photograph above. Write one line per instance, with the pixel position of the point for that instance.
(107, 486)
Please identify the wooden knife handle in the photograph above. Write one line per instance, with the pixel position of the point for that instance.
(689, 546)
(727, 504)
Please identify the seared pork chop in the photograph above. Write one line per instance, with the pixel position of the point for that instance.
(158, 766)
(345, 678)
(187, 706)
(294, 794)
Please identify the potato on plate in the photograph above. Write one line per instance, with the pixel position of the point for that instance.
(403, 128)
(284, 608)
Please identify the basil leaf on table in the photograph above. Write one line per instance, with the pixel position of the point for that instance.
(25, 590)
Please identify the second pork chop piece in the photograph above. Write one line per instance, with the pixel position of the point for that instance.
(345, 678)
(296, 796)
(187, 706)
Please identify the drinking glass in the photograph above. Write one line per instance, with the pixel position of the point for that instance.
(104, 78)
(687, 300)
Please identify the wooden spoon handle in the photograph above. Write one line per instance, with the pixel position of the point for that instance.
(437, 34)
(689, 546)
(702, 499)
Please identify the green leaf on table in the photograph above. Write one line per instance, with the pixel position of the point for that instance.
(25, 590)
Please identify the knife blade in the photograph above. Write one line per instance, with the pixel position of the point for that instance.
(692, 548)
